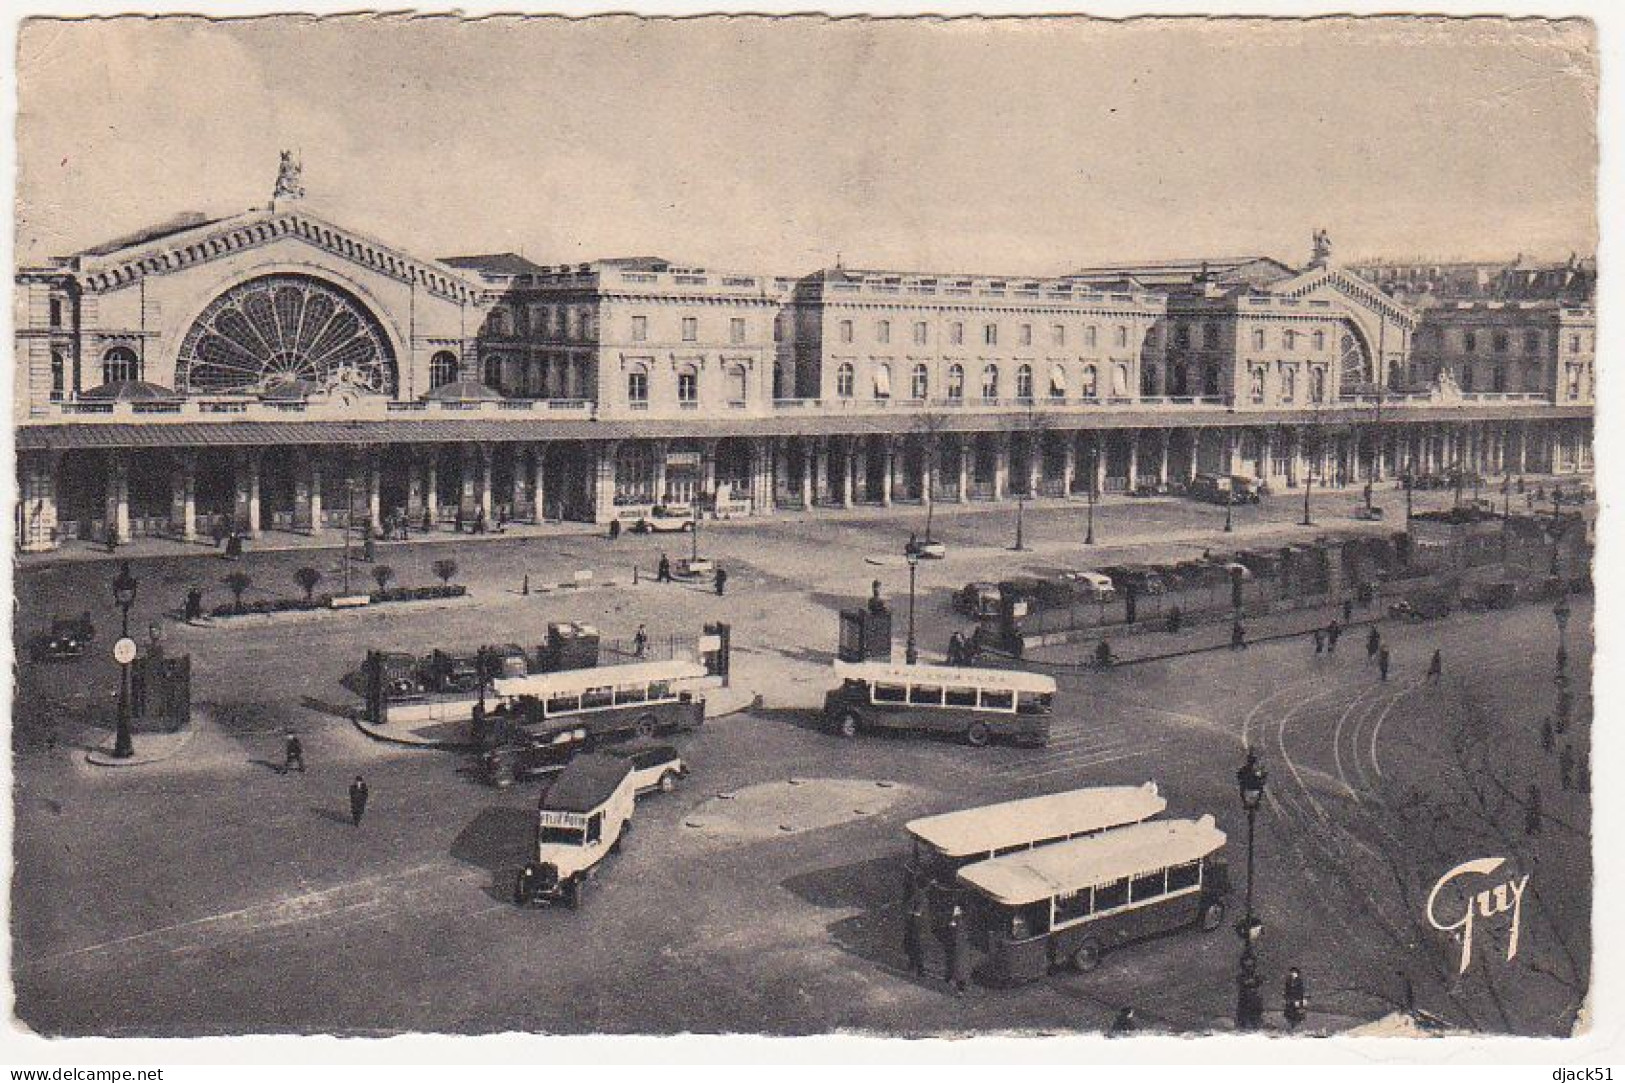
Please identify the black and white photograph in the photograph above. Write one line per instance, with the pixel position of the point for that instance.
(891, 527)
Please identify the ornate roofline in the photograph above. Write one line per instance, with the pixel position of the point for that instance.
(1351, 285)
(178, 251)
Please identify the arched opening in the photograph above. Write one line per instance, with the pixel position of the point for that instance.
(119, 364)
(1354, 369)
(442, 369)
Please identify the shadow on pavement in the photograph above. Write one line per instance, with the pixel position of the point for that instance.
(497, 840)
(332, 815)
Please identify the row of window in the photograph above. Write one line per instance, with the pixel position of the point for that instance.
(1288, 385)
(920, 382)
(1500, 341)
(118, 364)
(576, 324)
(688, 384)
(990, 334)
(738, 329)
(1102, 897)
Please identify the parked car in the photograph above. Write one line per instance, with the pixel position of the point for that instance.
(1485, 596)
(1142, 580)
(1093, 585)
(654, 767)
(1421, 607)
(665, 520)
(533, 754)
(929, 549)
(66, 640)
(978, 600)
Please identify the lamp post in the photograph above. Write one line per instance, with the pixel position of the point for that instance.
(1021, 514)
(1229, 510)
(911, 653)
(1560, 613)
(1308, 483)
(124, 588)
(349, 525)
(1250, 780)
(1409, 484)
(1094, 460)
(694, 534)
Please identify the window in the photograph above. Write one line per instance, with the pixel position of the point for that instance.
(691, 329)
(960, 697)
(990, 382)
(1469, 341)
(925, 695)
(118, 364)
(882, 381)
(919, 386)
(1026, 334)
(1091, 384)
(1148, 380)
(1467, 378)
(56, 312)
(738, 385)
(563, 704)
(1574, 381)
(597, 697)
(632, 693)
(1258, 339)
(1181, 877)
(1317, 384)
(1111, 895)
(843, 380)
(1498, 341)
(1256, 385)
(1090, 334)
(688, 385)
(1498, 378)
(595, 827)
(1320, 340)
(59, 375)
(1210, 336)
(990, 334)
(1024, 382)
(846, 330)
(493, 372)
(498, 324)
(640, 329)
(736, 331)
(1289, 382)
(922, 333)
(883, 331)
(1120, 336)
(1531, 342)
(442, 369)
(1075, 905)
(890, 693)
(637, 387)
(956, 333)
(1057, 382)
(1119, 380)
(1289, 340)
(1182, 337)
(956, 381)
(1210, 380)
(1148, 885)
(1057, 335)
(1574, 344)
(998, 700)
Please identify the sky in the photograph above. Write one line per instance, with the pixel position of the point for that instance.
(1016, 146)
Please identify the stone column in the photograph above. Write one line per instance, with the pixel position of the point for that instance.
(1001, 465)
(1133, 458)
(538, 470)
(764, 475)
(183, 497)
(603, 483)
(1162, 456)
(1069, 465)
(431, 483)
(967, 448)
(1195, 453)
(1300, 457)
(661, 447)
(818, 454)
(1523, 447)
(809, 458)
(930, 466)
(307, 491)
(708, 467)
(888, 464)
(485, 503)
(849, 466)
(521, 483)
(37, 478)
(247, 511)
(414, 487)
(375, 493)
(116, 512)
(1035, 463)
(860, 467)
(1232, 452)
(1100, 463)
(468, 495)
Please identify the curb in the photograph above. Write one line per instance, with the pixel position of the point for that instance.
(404, 742)
(100, 757)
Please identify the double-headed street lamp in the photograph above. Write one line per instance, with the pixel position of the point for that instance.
(124, 588)
(1250, 780)
(911, 653)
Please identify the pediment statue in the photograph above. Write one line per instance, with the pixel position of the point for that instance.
(289, 184)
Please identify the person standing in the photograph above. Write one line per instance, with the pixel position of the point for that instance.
(1123, 1024)
(1373, 644)
(358, 800)
(1382, 662)
(614, 529)
(1320, 641)
(663, 569)
(1103, 654)
(293, 754)
(914, 935)
(640, 642)
(1436, 667)
(1238, 637)
(1532, 811)
(1334, 632)
(1294, 1000)
(721, 580)
(958, 943)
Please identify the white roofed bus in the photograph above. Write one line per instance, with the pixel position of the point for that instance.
(1070, 902)
(646, 698)
(978, 705)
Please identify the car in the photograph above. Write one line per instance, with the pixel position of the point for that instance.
(1093, 585)
(1421, 607)
(533, 754)
(665, 520)
(929, 549)
(654, 767)
(66, 640)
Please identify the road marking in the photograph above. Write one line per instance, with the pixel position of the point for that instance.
(1079, 765)
(1280, 742)
(1359, 702)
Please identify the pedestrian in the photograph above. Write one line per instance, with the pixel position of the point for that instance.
(428, 521)
(640, 642)
(1382, 662)
(155, 640)
(1373, 643)
(234, 546)
(1547, 740)
(457, 520)
(1294, 1000)
(358, 799)
(1334, 632)
(219, 532)
(524, 887)
(1175, 620)
(293, 755)
(1123, 1024)
(721, 579)
(615, 529)
(480, 525)
(1238, 637)
(1436, 667)
(112, 541)
(1103, 654)
(1348, 610)
(913, 545)
(1531, 811)
(1320, 641)
(914, 926)
(958, 965)
(194, 605)
(956, 649)
(369, 551)
(663, 570)
(1565, 766)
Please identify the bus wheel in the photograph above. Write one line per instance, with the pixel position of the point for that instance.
(647, 726)
(1087, 957)
(848, 725)
(977, 734)
(1212, 915)
(668, 782)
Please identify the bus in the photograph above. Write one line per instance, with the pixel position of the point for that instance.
(1073, 901)
(947, 842)
(579, 821)
(645, 698)
(976, 704)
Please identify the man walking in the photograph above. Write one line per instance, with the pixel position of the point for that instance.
(663, 569)
(1382, 662)
(293, 755)
(1238, 637)
(1373, 644)
(358, 800)
(1294, 1000)
(721, 580)
(958, 944)
(1436, 667)
(640, 642)
(914, 936)
(1320, 641)
(1334, 632)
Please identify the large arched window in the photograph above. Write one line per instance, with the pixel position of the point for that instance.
(1024, 383)
(956, 381)
(1120, 381)
(990, 382)
(919, 386)
(442, 369)
(1057, 382)
(120, 363)
(1356, 363)
(882, 378)
(1091, 382)
(844, 380)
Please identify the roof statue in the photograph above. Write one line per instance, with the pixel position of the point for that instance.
(289, 184)
(1322, 248)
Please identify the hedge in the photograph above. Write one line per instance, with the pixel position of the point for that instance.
(323, 601)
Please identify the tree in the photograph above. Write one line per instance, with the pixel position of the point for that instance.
(307, 578)
(444, 570)
(929, 427)
(382, 574)
(238, 583)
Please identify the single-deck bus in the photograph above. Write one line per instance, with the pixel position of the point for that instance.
(976, 704)
(646, 698)
(1074, 901)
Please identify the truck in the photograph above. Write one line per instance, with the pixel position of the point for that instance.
(580, 820)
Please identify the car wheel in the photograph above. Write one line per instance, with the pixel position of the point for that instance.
(1087, 956)
(668, 782)
(1212, 915)
(977, 734)
(848, 725)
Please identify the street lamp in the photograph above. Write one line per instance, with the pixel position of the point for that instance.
(1021, 513)
(124, 588)
(1560, 612)
(1251, 779)
(1409, 485)
(1094, 468)
(911, 653)
(1229, 510)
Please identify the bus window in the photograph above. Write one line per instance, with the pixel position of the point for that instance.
(891, 693)
(925, 695)
(595, 827)
(1111, 895)
(1027, 921)
(563, 836)
(1149, 885)
(635, 693)
(596, 697)
(1184, 876)
(1033, 703)
(1076, 905)
(960, 697)
(563, 704)
(659, 690)
(994, 700)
